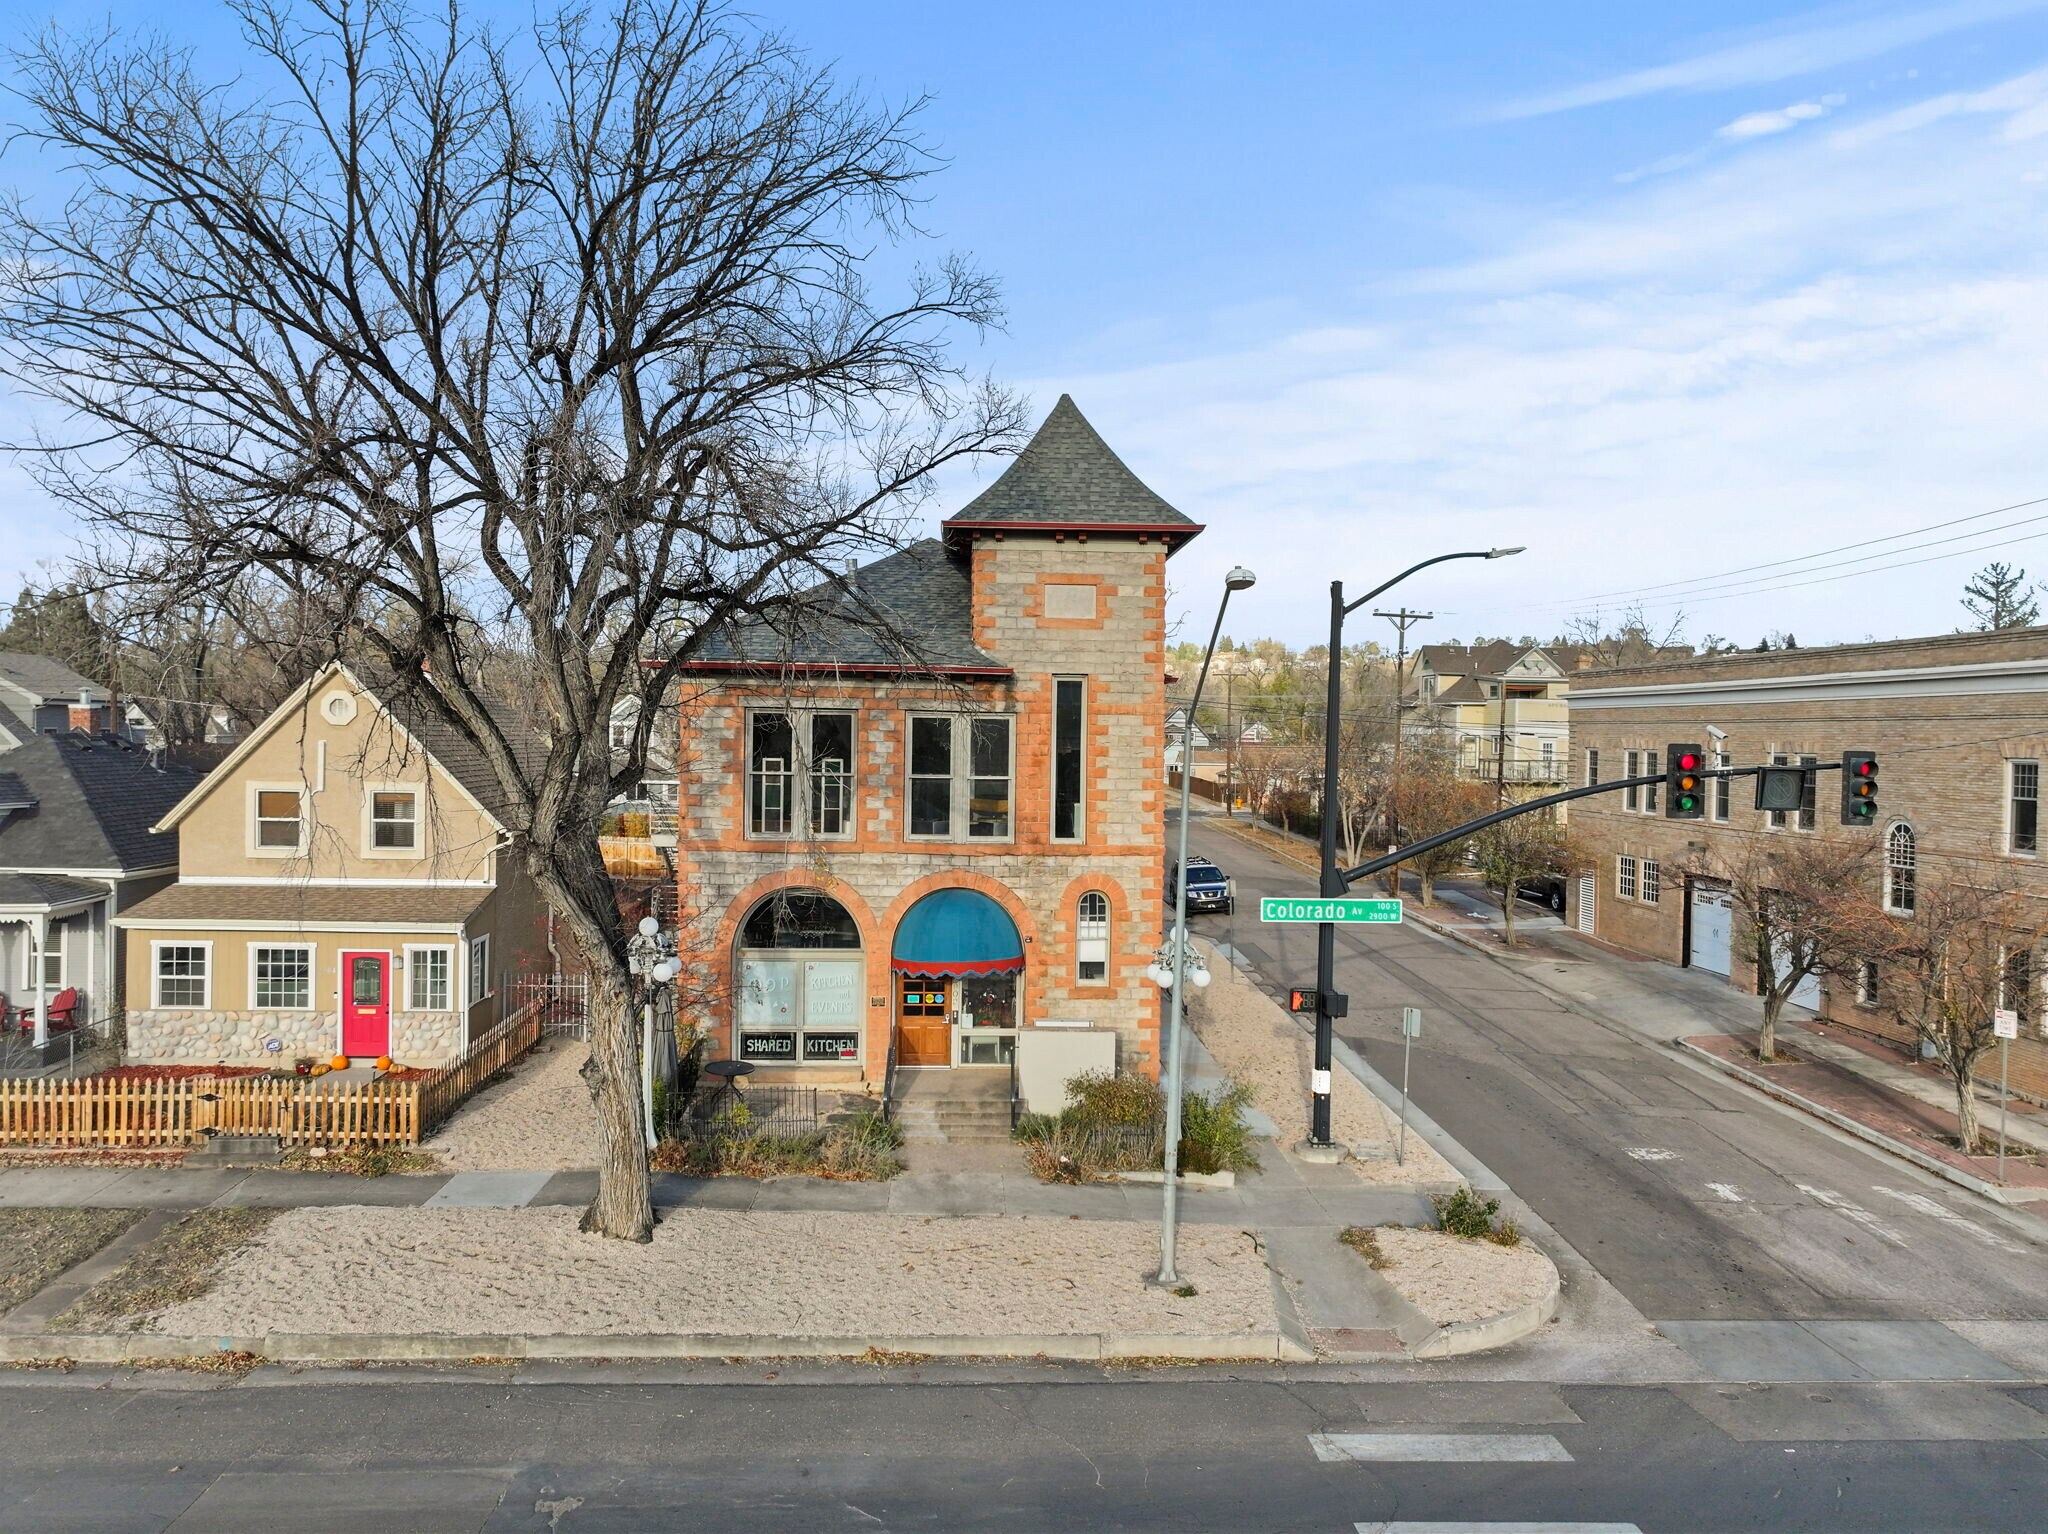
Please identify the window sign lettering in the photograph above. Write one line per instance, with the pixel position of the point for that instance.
(767, 992)
(832, 992)
(831, 1046)
(780, 1045)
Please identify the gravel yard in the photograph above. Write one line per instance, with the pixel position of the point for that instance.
(1454, 1278)
(1259, 1044)
(536, 1119)
(469, 1271)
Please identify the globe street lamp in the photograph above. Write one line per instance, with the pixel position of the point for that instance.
(1173, 967)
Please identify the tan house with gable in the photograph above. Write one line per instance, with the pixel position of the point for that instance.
(348, 884)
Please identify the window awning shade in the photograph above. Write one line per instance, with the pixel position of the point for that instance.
(956, 932)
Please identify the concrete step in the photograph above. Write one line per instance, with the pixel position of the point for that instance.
(925, 1134)
(237, 1151)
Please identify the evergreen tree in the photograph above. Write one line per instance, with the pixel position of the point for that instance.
(58, 623)
(1998, 597)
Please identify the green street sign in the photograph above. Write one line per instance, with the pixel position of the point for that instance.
(1340, 908)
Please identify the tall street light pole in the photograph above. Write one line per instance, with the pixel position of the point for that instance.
(1332, 882)
(1170, 970)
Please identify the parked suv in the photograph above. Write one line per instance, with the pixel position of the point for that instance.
(1208, 887)
(1546, 888)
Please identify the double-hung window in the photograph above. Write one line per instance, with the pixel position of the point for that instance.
(429, 976)
(183, 974)
(1091, 938)
(2023, 817)
(1625, 877)
(280, 820)
(1867, 982)
(1592, 766)
(45, 961)
(1775, 819)
(1069, 730)
(1721, 786)
(961, 772)
(394, 820)
(1809, 795)
(1631, 767)
(800, 770)
(281, 978)
(1650, 765)
(1901, 870)
(479, 968)
(1651, 880)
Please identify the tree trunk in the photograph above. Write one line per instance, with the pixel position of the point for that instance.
(1767, 1034)
(576, 885)
(1966, 1107)
(1428, 882)
(1507, 915)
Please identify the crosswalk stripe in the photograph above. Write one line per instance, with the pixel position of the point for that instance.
(1725, 1191)
(1442, 1448)
(1935, 1209)
(1409, 1526)
(1856, 1212)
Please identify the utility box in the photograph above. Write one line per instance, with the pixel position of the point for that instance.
(1049, 1057)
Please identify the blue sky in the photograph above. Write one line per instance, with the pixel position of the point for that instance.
(1660, 292)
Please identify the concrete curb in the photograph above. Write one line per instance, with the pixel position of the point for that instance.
(1860, 1131)
(132, 1347)
(1187, 1179)
(1462, 1337)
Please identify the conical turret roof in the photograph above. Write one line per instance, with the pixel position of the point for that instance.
(1068, 478)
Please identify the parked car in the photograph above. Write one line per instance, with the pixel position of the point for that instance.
(1546, 888)
(1209, 888)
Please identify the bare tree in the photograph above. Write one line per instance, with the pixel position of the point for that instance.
(538, 353)
(1430, 797)
(1794, 898)
(1627, 638)
(1521, 851)
(1964, 949)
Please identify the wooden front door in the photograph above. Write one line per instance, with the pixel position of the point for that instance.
(924, 1027)
(365, 1005)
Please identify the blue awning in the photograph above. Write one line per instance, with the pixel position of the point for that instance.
(957, 932)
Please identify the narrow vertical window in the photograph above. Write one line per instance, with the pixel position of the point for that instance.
(1091, 938)
(771, 751)
(931, 775)
(2026, 807)
(1652, 881)
(1069, 721)
(1866, 985)
(2016, 983)
(1650, 765)
(831, 767)
(1900, 869)
(1631, 767)
(1721, 759)
(479, 968)
(1625, 877)
(1776, 818)
(1592, 767)
(1809, 795)
(988, 793)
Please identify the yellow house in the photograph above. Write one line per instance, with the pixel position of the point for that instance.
(347, 885)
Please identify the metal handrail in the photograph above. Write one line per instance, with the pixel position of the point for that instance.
(889, 1083)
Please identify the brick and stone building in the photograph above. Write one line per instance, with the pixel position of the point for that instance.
(920, 805)
(1960, 726)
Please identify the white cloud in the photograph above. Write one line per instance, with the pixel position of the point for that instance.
(1763, 124)
(1784, 55)
(1831, 337)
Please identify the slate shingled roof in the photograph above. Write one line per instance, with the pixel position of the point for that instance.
(912, 611)
(41, 676)
(44, 890)
(1067, 476)
(14, 794)
(96, 800)
(420, 905)
(406, 700)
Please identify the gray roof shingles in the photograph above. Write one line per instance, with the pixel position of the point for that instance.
(912, 611)
(95, 802)
(42, 890)
(40, 675)
(1067, 476)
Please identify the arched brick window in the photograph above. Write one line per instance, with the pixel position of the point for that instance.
(1091, 938)
(1900, 867)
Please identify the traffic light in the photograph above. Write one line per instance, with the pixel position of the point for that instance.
(1685, 794)
(1859, 788)
(1303, 999)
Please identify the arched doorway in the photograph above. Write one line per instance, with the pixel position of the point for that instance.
(798, 979)
(957, 956)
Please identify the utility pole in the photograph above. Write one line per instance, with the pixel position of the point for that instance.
(1500, 744)
(1402, 621)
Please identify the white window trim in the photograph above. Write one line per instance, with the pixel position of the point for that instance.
(960, 753)
(1868, 985)
(411, 951)
(2011, 798)
(305, 792)
(1886, 867)
(1108, 922)
(418, 848)
(1592, 766)
(1649, 871)
(311, 952)
(798, 808)
(1632, 796)
(1627, 873)
(34, 952)
(476, 971)
(1720, 804)
(156, 949)
(1052, 773)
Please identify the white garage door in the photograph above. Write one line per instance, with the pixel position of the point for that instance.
(1713, 931)
(1807, 992)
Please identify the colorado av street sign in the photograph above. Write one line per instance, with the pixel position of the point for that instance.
(1341, 908)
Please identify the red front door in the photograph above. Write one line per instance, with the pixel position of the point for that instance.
(365, 1004)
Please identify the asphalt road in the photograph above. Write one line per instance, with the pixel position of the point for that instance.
(1697, 1199)
(1166, 1454)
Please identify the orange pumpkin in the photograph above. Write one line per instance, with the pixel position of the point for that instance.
(383, 1062)
(339, 1062)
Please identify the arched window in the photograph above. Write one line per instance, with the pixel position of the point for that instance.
(1899, 865)
(794, 1004)
(1091, 938)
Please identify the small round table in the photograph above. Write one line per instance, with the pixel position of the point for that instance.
(730, 1071)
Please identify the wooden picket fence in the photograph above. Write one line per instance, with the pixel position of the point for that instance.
(154, 1113)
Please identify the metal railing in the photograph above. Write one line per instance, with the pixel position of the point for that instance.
(718, 1108)
(1516, 769)
(889, 1084)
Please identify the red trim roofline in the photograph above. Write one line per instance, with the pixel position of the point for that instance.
(832, 668)
(1183, 531)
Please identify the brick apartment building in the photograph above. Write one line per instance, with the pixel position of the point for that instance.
(1960, 726)
(920, 809)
